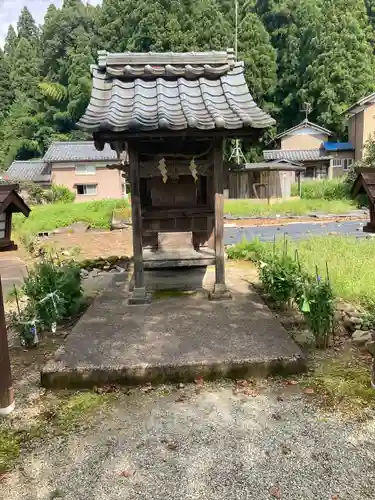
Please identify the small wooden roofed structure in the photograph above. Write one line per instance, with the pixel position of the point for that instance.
(10, 203)
(172, 112)
(264, 180)
(365, 183)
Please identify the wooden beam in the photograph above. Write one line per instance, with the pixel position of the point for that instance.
(139, 293)
(220, 290)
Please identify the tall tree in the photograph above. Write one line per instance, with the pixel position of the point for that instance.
(26, 26)
(59, 36)
(79, 81)
(342, 67)
(163, 25)
(10, 42)
(255, 49)
(292, 25)
(6, 90)
(24, 72)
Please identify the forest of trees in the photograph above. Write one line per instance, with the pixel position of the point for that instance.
(295, 51)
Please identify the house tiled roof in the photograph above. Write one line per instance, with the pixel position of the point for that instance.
(275, 165)
(368, 99)
(300, 155)
(77, 151)
(170, 91)
(305, 123)
(31, 170)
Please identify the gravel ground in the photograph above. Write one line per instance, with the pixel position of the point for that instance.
(213, 445)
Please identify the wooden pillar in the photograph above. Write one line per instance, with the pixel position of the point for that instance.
(139, 291)
(299, 184)
(220, 290)
(6, 390)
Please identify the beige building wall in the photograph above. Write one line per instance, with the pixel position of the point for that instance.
(109, 183)
(303, 141)
(361, 127)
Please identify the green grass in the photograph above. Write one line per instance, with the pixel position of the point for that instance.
(335, 189)
(49, 217)
(247, 208)
(351, 263)
(69, 413)
(343, 382)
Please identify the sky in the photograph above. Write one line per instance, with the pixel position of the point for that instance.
(10, 10)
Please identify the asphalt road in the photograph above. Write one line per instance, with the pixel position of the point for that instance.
(295, 231)
(12, 271)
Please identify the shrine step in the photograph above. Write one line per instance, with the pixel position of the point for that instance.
(177, 278)
(182, 257)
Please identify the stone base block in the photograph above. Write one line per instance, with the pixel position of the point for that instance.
(220, 292)
(185, 279)
(139, 296)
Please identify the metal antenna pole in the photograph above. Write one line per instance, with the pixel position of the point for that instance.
(236, 33)
(6, 389)
(236, 151)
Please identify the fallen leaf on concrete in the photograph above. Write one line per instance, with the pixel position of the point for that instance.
(292, 382)
(250, 392)
(275, 492)
(127, 473)
(199, 381)
(146, 388)
(335, 497)
(309, 390)
(172, 445)
(242, 383)
(107, 389)
(285, 449)
(181, 398)
(3, 477)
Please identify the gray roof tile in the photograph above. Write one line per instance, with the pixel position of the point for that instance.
(31, 170)
(77, 151)
(296, 154)
(143, 92)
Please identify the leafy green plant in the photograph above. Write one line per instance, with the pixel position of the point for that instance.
(325, 189)
(55, 290)
(62, 194)
(316, 302)
(279, 274)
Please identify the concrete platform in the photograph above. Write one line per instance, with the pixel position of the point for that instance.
(175, 338)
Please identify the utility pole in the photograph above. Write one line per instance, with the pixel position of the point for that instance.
(6, 389)
(236, 153)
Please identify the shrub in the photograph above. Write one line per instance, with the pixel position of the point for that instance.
(316, 302)
(285, 282)
(35, 194)
(61, 194)
(335, 189)
(53, 291)
(279, 276)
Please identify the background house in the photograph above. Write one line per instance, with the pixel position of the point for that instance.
(83, 169)
(309, 144)
(361, 123)
(77, 165)
(30, 171)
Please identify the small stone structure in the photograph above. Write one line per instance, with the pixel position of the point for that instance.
(171, 113)
(10, 203)
(365, 183)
